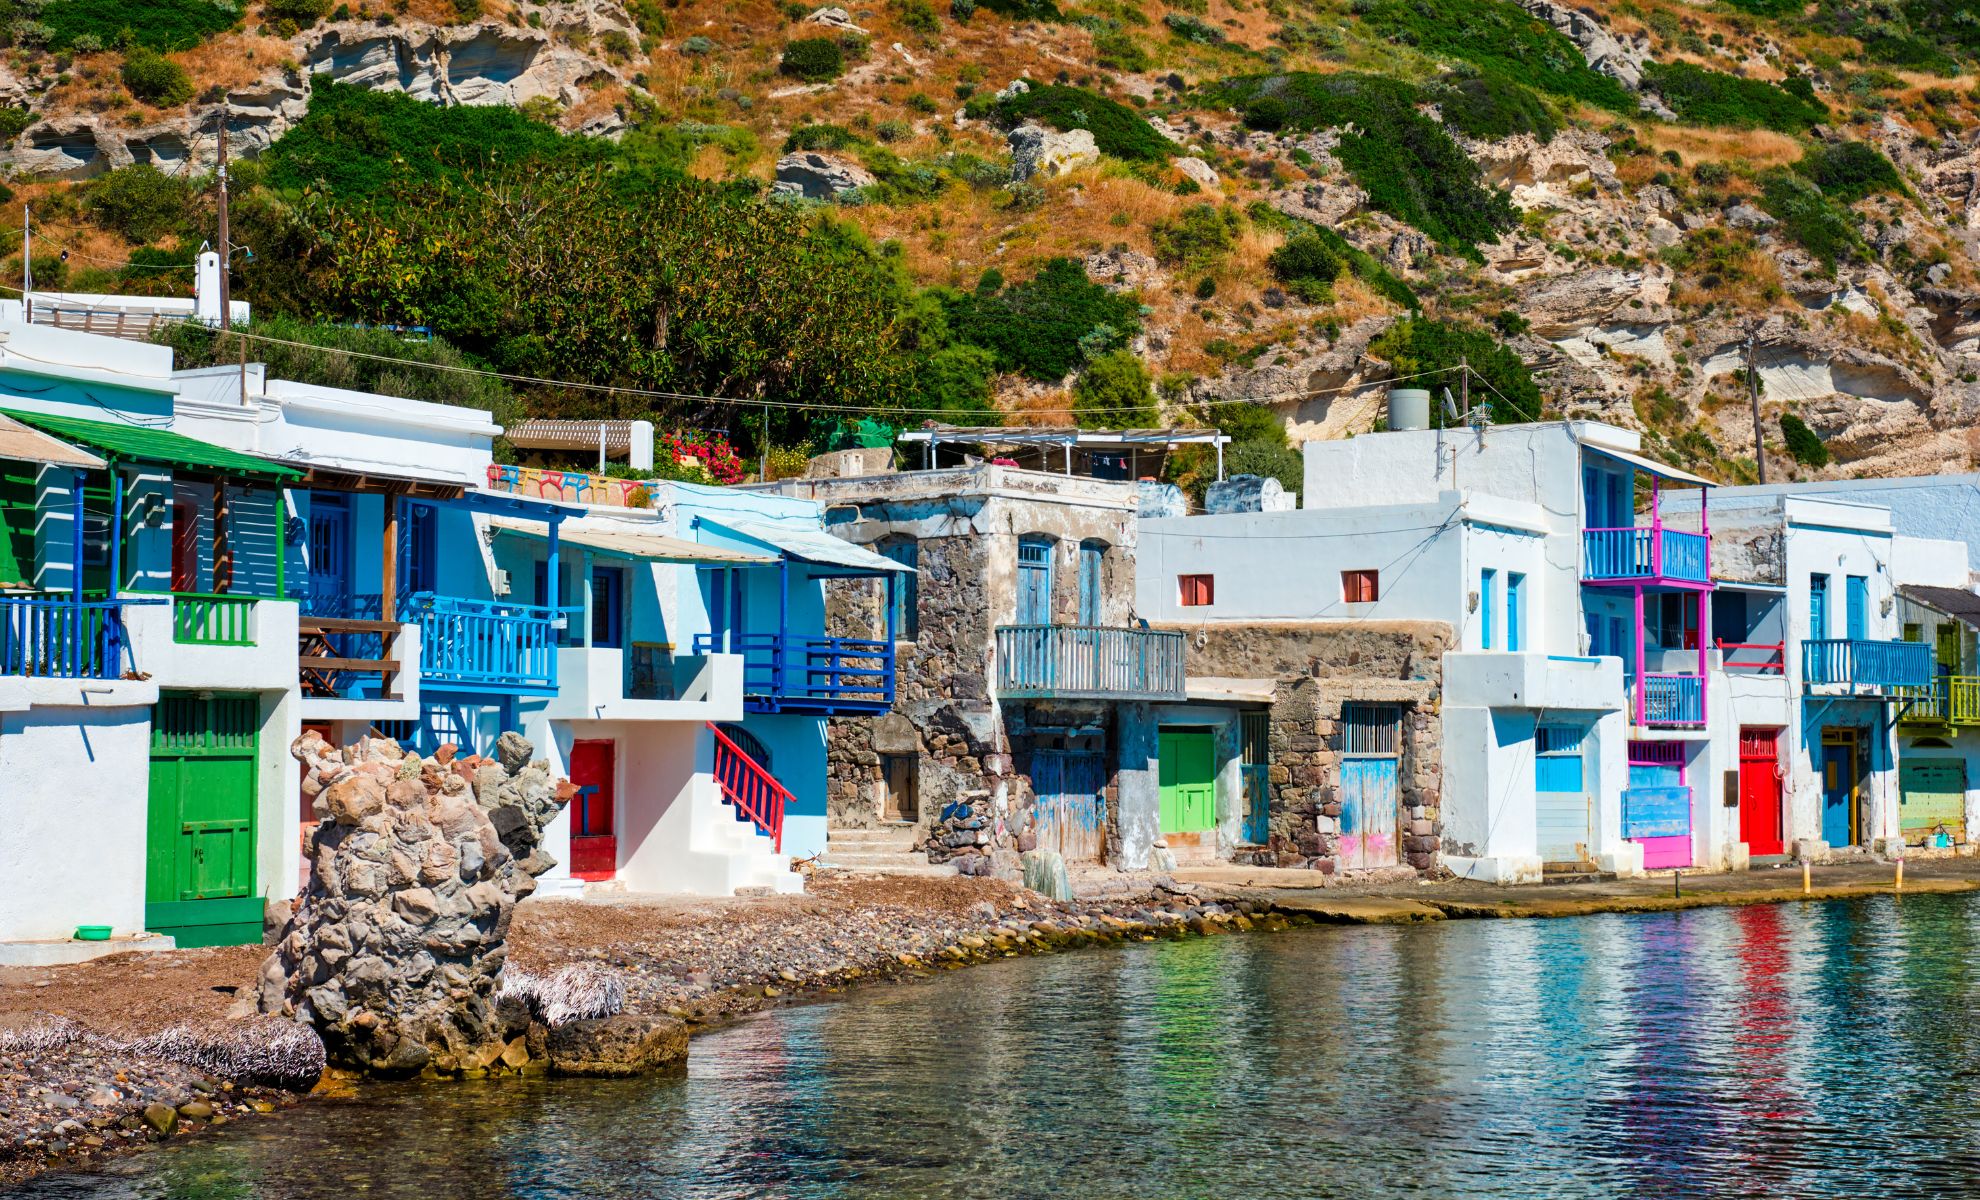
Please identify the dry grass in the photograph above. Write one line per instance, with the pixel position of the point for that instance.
(234, 60)
(1753, 148)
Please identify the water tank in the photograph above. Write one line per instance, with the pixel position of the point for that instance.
(1161, 500)
(1409, 408)
(1248, 493)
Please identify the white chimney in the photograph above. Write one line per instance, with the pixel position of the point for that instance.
(641, 453)
(206, 288)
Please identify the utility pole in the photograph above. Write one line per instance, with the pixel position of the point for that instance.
(1464, 385)
(226, 247)
(27, 264)
(1753, 389)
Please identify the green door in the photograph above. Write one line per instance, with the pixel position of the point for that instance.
(200, 836)
(1188, 780)
(1932, 799)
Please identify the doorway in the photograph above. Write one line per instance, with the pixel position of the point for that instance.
(1071, 808)
(1371, 746)
(1841, 792)
(1187, 775)
(199, 880)
(594, 841)
(900, 776)
(1761, 824)
(1560, 794)
(1932, 802)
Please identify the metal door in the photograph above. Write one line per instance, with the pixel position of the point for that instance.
(1760, 816)
(594, 845)
(1188, 780)
(1560, 795)
(199, 883)
(1070, 815)
(1932, 801)
(1839, 789)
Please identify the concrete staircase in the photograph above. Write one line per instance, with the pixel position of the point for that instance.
(888, 850)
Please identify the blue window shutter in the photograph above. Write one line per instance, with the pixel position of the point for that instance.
(1091, 556)
(1818, 607)
(907, 589)
(1856, 600)
(1034, 581)
(1487, 585)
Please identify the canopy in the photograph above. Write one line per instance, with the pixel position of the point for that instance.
(22, 444)
(540, 433)
(1650, 466)
(132, 442)
(812, 546)
(653, 547)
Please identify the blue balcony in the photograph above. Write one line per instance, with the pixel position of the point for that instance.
(1671, 701)
(59, 637)
(813, 676)
(1644, 554)
(486, 645)
(1088, 662)
(1874, 667)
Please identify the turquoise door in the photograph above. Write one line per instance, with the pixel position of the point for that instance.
(1856, 606)
(1369, 813)
(1560, 795)
(1818, 607)
(1034, 601)
(1839, 792)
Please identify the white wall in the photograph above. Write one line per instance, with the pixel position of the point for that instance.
(1930, 562)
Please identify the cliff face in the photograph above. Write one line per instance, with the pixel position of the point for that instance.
(1684, 179)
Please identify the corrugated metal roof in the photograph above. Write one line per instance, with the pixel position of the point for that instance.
(1961, 605)
(146, 443)
(1653, 467)
(655, 547)
(809, 545)
(22, 444)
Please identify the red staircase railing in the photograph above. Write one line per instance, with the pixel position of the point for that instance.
(753, 790)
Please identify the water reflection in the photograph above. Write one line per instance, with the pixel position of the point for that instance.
(1818, 1050)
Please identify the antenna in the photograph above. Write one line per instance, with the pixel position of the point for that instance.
(1451, 413)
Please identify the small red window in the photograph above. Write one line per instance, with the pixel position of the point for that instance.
(1359, 587)
(1197, 590)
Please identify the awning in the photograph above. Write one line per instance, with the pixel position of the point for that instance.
(22, 444)
(540, 433)
(812, 546)
(126, 441)
(1651, 466)
(354, 477)
(653, 547)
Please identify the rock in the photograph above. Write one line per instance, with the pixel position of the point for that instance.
(834, 18)
(351, 799)
(161, 1117)
(1036, 150)
(1745, 216)
(196, 1110)
(1603, 50)
(1162, 859)
(1202, 172)
(1015, 88)
(616, 1046)
(1045, 873)
(815, 176)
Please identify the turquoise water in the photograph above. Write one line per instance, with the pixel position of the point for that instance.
(1794, 1051)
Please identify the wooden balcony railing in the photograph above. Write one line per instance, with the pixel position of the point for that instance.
(1947, 700)
(1883, 667)
(1049, 662)
(338, 656)
(1644, 552)
(57, 637)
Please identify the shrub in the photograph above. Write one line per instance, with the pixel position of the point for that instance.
(1037, 327)
(956, 380)
(1712, 174)
(304, 13)
(1115, 392)
(814, 60)
(1415, 346)
(893, 130)
(1501, 40)
(1825, 228)
(1197, 237)
(1193, 29)
(1266, 113)
(1848, 171)
(918, 16)
(14, 121)
(1016, 10)
(1804, 445)
(141, 202)
(698, 44)
(1702, 97)
(822, 136)
(1117, 129)
(1492, 107)
(155, 79)
(1118, 52)
(154, 24)
(1308, 267)
(617, 45)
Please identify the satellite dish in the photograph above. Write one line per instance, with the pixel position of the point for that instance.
(1450, 406)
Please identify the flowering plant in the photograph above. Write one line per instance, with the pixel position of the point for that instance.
(711, 450)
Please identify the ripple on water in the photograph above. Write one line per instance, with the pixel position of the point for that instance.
(1823, 1050)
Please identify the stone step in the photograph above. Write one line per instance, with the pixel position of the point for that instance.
(872, 857)
(887, 835)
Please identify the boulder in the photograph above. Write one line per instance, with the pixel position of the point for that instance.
(1202, 172)
(1036, 150)
(814, 176)
(626, 1044)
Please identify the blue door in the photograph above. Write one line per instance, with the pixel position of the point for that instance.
(1818, 607)
(329, 556)
(1839, 791)
(1091, 557)
(1034, 600)
(1856, 606)
(1369, 813)
(1515, 585)
(418, 552)
(1070, 815)
(1560, 794)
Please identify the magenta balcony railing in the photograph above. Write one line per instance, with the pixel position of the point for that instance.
(1670, 700)
(1644, 552)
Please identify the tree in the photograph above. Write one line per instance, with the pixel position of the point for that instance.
(1428, 354)
(1114, 392)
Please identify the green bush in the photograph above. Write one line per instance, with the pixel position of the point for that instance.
(956, 380)
(304, 13)
(1363, 265)
(814, 60)
(1409, 166)
(1415, 346)
(1825, 228)
(698, 44)
(153, 24)
(918, 16)
(1197, 237)
(1193, 29)
(1280, 462)
(1119, 52)
(1016, 10)
(141, 202)
(1308, 266)
(1117, 129)
(155, 79)
(1045, 326)
(1268, 114)
(1848, 171)
(822, 136)
(14, 121)
(1804, 445)
(1502, 40)
(1115, 392)
(1702, 97)
(1491, 107)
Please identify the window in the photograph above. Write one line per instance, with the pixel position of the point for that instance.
(1034, 601)
(1914, 631)
(417, 541)
(907, 588)
(1196, 591)
(1557, 758)
(1371, 730)
(1515, 586)
(1359, 587)
(608, 607)
(1488, 587)
(1092, 560)
(1856, 606)
(1818, 607)
(900, 777)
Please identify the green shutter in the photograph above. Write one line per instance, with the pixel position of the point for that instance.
(17, 525)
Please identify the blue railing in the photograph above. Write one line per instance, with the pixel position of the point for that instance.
(1876, 665)
(486, 645)
(1644, 552)
(1673, 700)
(1049, 662)
(791, 673)
(1649, 812)
(55, 637)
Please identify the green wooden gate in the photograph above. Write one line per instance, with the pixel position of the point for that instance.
(200, 838)
(1188, 778)
(1932, 798)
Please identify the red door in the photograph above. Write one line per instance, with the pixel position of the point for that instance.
(594, 846)
(185, 548)
(1760, 825)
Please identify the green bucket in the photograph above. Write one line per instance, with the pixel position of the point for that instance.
(92, 933)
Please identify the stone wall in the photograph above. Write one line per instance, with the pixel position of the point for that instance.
(1318, 668)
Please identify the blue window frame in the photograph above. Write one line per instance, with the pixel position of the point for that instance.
(1557, 759)
(1818, 607)
(608, 607)
(1092, 558)
(1856, 606)
(907, 589)
(1515, 584)
(1488, 587)
(1034, 601)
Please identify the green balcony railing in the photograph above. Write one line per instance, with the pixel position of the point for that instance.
(204, 619)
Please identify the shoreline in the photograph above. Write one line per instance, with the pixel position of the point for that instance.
(710, 963)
